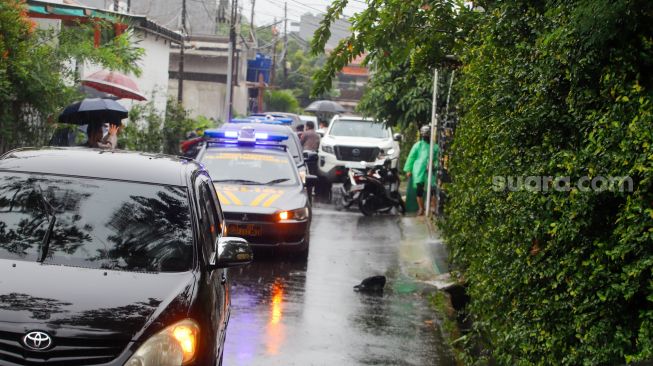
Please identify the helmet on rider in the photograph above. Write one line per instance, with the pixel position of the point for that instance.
(425, 131)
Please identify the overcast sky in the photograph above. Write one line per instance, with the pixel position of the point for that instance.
(267, 10)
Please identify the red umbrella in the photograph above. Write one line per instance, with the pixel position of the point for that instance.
(115, 83)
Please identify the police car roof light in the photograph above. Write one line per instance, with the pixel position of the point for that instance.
(232, 136)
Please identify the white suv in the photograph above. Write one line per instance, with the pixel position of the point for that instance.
(351, 140)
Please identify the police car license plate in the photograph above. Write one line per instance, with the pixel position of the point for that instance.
(251, 230)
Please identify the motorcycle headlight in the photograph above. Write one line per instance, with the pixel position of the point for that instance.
(327, 149)
(174, 346)
(299, 214)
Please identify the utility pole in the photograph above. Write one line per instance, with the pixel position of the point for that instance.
(182, 46)
(274, 54)
(230, 60)
(285, 41)
(434, 129)
(252, 30)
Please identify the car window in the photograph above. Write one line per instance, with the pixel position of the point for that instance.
(209, 221)
(352, 128)
(97, 223)
(251, 167)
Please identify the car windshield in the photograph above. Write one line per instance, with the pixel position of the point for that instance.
(352, 128)
(248, 167)
(97, 223)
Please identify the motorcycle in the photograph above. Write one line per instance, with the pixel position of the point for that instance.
(380, 191)
(348, 192)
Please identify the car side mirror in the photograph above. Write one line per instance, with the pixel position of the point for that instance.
(311, 180)
(310, 156)
(398, 137)
(231, 252)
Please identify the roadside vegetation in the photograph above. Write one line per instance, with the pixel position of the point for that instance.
(542, 89)
(149, 130)
(38, 67)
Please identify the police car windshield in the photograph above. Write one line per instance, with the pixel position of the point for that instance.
(249, 167)
(352, 128)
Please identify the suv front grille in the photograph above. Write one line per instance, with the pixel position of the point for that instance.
(353, 153)
(66, 351)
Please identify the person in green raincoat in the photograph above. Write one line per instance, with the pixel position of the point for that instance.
(416, 166)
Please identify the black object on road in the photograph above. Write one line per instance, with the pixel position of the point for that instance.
(94, 110)
(371, 284)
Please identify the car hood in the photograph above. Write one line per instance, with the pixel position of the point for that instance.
(260, 199)
(81, 302)
(358, 141)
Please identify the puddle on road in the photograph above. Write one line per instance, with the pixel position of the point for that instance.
(288, 313)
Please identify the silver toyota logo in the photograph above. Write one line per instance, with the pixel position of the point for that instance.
(356, 152)
(37, 341)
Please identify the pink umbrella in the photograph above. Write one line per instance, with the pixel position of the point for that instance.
(115, 83)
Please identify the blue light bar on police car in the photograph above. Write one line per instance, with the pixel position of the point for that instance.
(243, 136)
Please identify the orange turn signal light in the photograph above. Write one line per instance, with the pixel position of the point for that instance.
(187, 339)
(284, 215)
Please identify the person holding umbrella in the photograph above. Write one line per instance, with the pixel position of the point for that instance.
(97, 138)
(94, 112)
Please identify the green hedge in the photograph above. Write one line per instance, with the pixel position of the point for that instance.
(557, 88)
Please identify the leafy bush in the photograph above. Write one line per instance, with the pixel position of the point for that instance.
(281, 101)
(557, 89)
(35, 65)
(148, 131)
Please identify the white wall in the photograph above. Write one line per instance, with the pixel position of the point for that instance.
(153, 82)
(208, 98)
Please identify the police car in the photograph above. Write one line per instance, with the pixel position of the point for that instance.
(259, 187)
(278, 126)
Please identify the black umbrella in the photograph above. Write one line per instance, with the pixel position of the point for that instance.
(93, 110)
(325, 106)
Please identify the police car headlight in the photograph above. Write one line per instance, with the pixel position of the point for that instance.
(173, 346)
(300, 214)
(327, 149)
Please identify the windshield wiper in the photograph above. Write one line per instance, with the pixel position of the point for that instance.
(276, 181)
(46, 239)
(241, 181)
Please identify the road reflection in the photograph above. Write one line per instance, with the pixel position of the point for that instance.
(266, 296)
(275, 332)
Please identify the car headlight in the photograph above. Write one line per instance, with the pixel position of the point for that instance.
(300, 214)
(174, 346)
(385, 153)
(327, 149)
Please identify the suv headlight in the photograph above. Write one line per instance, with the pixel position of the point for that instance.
(300, 214)
(327, 149)
(383, 153)
(174, 346)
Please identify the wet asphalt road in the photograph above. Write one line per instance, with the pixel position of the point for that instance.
(294, 313)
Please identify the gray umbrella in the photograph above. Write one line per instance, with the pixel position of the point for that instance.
(324, 106)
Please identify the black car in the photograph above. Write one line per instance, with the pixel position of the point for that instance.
(111, 258)
(264, 199)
